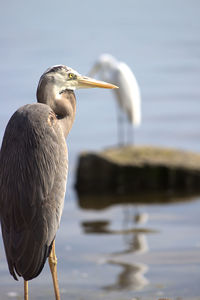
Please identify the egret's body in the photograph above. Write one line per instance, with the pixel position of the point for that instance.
(128, 95)
(33, 173)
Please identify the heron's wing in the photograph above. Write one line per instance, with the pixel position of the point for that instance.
(128, 94)
(32, 187)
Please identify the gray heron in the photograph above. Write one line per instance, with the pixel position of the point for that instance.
(33, 173)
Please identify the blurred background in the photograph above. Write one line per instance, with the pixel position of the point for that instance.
(118, 250)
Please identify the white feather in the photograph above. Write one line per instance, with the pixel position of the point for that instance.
(128, 94)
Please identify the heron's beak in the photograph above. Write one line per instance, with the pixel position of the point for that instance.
(85, 82)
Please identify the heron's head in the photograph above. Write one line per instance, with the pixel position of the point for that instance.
(60, 78)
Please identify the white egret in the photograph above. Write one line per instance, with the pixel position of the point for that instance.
(127, 96)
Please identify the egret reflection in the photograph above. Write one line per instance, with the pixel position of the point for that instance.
(131, 277)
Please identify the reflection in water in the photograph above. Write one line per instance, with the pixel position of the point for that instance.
(130, 278)
(132, 275)
(96, 227)
(141, 218)
(132, 227)
(99, 202)
(134, 232)
(135, 241)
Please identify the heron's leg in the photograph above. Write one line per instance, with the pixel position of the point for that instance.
(25, 290)
(53, 268)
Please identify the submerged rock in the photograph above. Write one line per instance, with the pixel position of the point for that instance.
(138, 169)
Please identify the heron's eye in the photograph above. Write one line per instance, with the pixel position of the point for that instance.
(71, 76)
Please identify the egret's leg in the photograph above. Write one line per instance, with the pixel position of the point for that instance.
(53, 268)
(130, 132)
(120, 127)
(25, 290)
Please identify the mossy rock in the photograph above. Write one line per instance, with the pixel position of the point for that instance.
(137, 169)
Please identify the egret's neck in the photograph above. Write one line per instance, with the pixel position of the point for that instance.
(64, 105)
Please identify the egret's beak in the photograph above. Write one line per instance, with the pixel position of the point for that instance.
(87, 82)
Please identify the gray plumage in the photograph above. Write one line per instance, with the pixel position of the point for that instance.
(32, 185)
(33, 175)
(33, 170)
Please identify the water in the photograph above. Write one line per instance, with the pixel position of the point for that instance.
(125, 250)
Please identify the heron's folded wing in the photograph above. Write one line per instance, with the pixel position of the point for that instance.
(30, 180)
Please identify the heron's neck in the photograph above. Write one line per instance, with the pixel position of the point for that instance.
(65, 109)
(64, 106)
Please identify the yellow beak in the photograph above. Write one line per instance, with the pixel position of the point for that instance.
(87, 82)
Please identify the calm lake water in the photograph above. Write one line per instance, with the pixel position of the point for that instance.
(133, 249)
